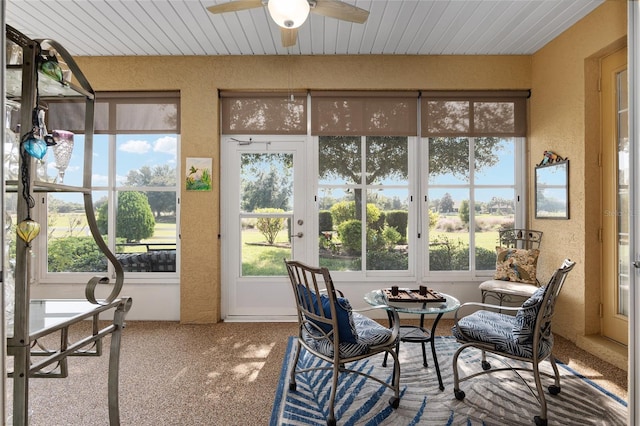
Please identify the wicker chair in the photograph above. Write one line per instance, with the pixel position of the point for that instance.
(509, 291)
(326, 322)
(525, 337)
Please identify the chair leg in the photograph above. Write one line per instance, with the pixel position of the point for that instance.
(331, 419)
(395, 400)
(555, 388)
(456, 378)
(292, 379)
(540, 420)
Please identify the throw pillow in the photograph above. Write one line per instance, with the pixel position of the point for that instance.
(516, 265)
(346, 325)
(525, 320)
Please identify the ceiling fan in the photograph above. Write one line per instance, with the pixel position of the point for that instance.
(290, 14)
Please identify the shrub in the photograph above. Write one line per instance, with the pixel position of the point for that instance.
(399, 220)
(325, 221)
(135, 219)
(391, 237)
(350, 233)
(75, 254)
(387, 260)
(270, 227)
(343, 211)
(485, 259)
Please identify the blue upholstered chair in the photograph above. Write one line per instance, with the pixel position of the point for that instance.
(525, 336)
(330, 330)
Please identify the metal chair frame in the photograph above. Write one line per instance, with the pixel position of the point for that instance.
(541, 330)
(317, 281)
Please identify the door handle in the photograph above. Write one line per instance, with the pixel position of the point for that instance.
(299, 235)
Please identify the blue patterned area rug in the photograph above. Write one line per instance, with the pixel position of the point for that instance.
(494, 399)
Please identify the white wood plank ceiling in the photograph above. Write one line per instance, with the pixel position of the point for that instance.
(394, 27)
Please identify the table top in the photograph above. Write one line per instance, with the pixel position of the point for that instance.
(377, 298)
(47, 314)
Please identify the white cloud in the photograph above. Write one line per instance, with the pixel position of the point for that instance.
(100, 180)
(166, 145)
(135, 147)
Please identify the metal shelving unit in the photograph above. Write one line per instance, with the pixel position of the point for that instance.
(25, 84)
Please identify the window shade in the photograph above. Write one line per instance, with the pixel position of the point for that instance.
(271, 113)
(469, 113)
(120, 112)
(364, 113)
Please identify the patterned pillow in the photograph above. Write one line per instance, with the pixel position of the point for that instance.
(516, 265)
(525, 319)
(346, 325)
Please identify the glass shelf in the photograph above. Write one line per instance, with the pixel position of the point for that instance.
(47, 86)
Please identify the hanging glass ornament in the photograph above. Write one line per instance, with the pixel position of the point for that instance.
(28, 229)
(37, 148)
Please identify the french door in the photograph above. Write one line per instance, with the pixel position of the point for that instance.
(264, 220)
(615, 155)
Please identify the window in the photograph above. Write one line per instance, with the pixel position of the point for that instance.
(473, 145)
(134, 184)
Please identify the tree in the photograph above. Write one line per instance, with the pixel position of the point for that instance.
(446, 203)
(161, 175)
(135, 220)
(463, 211)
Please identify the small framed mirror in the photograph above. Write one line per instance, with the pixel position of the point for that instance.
(552, 190)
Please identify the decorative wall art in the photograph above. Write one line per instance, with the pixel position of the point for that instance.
(198, 176)
(552, 187)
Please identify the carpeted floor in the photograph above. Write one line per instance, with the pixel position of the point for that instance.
(220, 374)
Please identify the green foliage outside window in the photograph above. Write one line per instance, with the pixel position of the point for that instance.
(270, 227)
(135, 219)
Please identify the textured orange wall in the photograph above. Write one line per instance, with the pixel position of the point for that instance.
(564, 116)
(199, 78)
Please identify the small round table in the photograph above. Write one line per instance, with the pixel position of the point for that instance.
(412, 333)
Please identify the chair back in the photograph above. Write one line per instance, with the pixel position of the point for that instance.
(309, 285)
(520, 238)
(548, 303)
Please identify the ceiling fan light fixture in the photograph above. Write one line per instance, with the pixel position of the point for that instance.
(289, 13)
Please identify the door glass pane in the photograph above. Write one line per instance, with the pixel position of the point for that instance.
(266, 200)
(623, 195)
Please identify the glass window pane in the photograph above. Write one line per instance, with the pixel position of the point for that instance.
(494, 161)
(449, 237)
(101, 161)
(340, 160)
(340, 233)
(387, 227)
(70, 245)
(448, 161)
(141, 160)
(494, 210)
(387, 160)
(266, 182)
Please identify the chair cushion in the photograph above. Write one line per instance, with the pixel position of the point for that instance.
(346, 325)
(516, 265)
(525, 319)
(496, 329)
(508, 287)
(370, 333)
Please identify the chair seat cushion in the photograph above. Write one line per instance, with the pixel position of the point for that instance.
(369, 333)
(509, 287)
(496, 329)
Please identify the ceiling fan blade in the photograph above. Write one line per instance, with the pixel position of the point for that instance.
(340, 10)
(234, 6)
(289, 36)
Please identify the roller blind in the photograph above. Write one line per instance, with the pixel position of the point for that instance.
(474, 113)
(367, 113)
(271, 113)
(120, 112)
